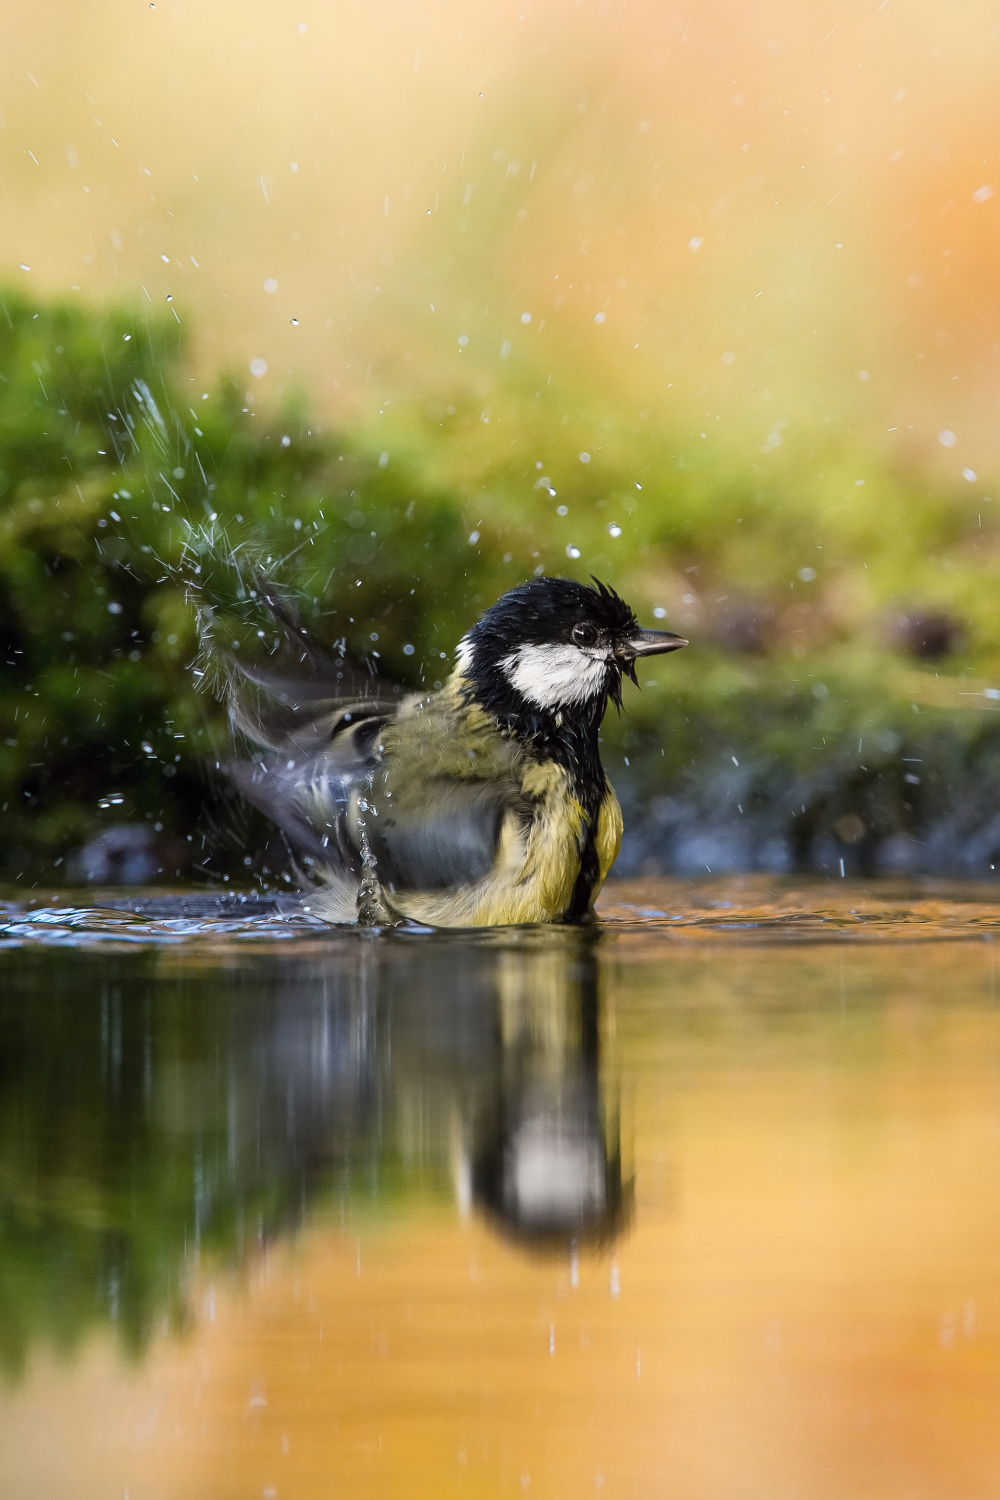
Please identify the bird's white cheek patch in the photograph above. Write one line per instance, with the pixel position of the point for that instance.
(464, 654)
(555, 676)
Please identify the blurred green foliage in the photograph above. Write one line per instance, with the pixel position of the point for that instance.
(115, 469)
(832, 604)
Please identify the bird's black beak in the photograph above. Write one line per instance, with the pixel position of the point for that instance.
(646, 643)
(651, 643)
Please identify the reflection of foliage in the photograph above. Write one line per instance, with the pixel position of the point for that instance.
(97, 1196)
(143, 1124)
(816, 591)
(153, 1115)
(85, 1226)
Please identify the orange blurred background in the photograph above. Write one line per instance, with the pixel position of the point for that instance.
(772, 218)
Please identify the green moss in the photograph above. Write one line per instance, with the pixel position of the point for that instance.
(112, 467)
(122, 483)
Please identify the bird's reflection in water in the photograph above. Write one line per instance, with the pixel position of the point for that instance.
(546, 1162)
(201, 1109)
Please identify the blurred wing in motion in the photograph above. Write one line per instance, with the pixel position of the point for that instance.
(449, 838)
(310, 783)
(315, 723)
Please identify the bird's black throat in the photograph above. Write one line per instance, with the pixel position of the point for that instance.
(568, 737)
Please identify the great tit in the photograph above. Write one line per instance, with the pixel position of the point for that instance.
(482, 804)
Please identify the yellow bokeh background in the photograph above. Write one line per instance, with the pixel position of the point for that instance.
(758, 220)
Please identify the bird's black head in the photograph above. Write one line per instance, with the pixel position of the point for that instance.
(554, 649)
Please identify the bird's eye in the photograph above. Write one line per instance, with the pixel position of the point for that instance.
(584, 634)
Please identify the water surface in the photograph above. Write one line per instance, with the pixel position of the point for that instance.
(705, 1203)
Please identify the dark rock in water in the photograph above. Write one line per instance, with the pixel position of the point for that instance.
(930, 805)
(127, 854)
(928, 634)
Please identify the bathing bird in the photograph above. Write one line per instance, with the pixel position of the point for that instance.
(482, 804)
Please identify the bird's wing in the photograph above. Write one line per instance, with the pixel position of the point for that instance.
(449, 835)
(313, 721)
(303, 693)
(448, 786)
(310, 782)
(280, 716)
(323, 771)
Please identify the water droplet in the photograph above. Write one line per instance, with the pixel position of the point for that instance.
(585, 458)
(947, 438)
(270, 285)
(572, 551)
(807, 574)
(525, 317)
(258, 367)
(599, 317)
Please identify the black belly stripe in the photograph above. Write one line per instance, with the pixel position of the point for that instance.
(590, 874)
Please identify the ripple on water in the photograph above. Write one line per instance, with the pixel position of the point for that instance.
(765, 909)
(723, 910)
(161, 920)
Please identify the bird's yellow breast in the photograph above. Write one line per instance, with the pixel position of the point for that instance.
(608, 836)
(542, 836)
(537, 862)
